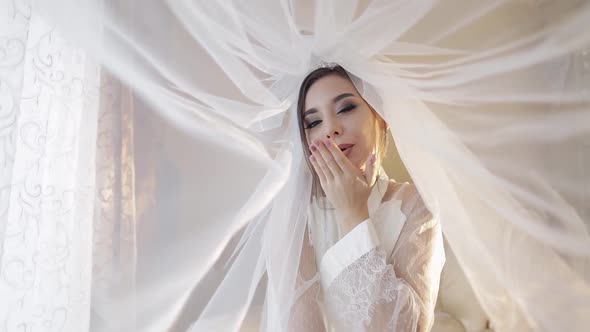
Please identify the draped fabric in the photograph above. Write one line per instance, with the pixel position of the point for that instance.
(153, 175)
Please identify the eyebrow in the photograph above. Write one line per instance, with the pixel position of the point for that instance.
(335, 100)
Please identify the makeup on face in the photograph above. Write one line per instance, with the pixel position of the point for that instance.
(335, 109)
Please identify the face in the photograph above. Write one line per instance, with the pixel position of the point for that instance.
(333, 108)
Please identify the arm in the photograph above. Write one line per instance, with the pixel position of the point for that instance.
(364, 293)
(306, 314)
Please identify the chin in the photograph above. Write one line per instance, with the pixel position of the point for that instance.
(357, 163)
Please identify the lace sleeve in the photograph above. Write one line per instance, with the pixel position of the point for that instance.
(372, 295)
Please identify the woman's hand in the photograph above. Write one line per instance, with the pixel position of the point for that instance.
(346, 186)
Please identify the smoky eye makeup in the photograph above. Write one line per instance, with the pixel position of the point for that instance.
(311, 124)
(347, 108)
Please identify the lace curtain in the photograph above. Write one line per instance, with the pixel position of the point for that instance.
(67, 191)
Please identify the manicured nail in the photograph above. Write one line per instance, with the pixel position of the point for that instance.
(313, 148)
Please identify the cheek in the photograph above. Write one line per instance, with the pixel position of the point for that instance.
(368, 132)
(365, 126)
(311, 136)
(308, 139)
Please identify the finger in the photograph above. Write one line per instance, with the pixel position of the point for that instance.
(317, 169)
(343, 162)
(329, 159)
(370, 168)
(322, 163)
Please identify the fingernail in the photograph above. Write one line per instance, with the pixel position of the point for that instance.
(313, 148)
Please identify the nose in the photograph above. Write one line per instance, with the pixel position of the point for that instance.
(334, 128)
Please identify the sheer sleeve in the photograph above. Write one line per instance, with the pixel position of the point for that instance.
(306, 314)
(368, 294)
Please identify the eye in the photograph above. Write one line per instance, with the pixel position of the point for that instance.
(347, 109)
(313, 124)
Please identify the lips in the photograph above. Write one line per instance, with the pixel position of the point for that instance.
(346, 148)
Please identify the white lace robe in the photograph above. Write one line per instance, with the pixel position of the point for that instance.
(381, 276)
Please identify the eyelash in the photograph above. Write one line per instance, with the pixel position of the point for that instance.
(344, 110)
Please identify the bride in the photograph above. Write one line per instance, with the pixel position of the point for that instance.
(160, 172)
(377, 248)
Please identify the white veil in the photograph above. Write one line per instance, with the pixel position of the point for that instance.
(153, 177)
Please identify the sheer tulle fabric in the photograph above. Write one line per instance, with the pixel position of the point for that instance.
(153, 178)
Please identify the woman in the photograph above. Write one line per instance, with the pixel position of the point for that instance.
(101, 230)
(378, 249)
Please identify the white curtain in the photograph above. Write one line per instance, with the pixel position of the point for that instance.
(66, 181)
(178, 201)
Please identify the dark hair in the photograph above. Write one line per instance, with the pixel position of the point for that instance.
(309, 80)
